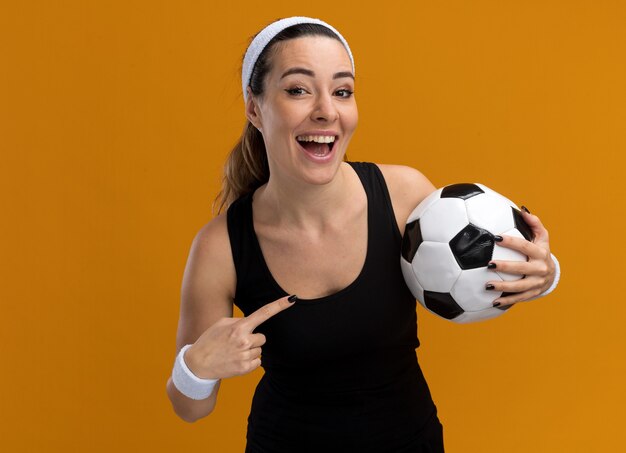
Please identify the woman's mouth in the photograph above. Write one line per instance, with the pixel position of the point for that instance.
(317, 146)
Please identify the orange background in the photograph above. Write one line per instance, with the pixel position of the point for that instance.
(115, 119)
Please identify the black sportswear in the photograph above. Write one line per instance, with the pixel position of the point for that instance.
(341, 372)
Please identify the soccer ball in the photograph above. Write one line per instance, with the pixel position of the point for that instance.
(448, 242)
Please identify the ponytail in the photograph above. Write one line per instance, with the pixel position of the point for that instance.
(246, 168)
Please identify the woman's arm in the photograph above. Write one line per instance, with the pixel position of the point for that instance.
(221, 346)
(206, 297)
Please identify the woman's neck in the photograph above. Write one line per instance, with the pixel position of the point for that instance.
(304, 205)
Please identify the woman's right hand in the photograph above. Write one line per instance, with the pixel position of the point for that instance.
(229, 348)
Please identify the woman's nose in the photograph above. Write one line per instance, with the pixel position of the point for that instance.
(325, 109)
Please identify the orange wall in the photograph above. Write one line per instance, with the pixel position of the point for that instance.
(115, 118)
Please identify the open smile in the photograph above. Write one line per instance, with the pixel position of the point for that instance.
(318, 148)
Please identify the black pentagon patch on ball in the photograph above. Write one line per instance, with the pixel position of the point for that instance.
(462, 190)
(472, 247)
(443, 304)
(522, 226)
(411, 240)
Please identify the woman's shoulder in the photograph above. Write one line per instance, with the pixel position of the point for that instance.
(406, 184)
(213, 232)
(211, 251)
(407, 187)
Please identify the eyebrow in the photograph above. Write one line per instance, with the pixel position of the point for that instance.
(336, 75)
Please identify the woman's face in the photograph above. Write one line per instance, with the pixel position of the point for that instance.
(308, 99)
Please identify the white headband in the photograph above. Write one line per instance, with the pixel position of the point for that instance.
(267, 34)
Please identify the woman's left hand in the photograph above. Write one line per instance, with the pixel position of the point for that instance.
(539, 269)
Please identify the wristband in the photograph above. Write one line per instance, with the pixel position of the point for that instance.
(188, 383)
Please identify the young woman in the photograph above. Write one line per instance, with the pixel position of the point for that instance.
(341, 372)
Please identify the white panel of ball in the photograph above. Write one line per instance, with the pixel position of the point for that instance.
(474, 316)
(435, 266)
(499, 195)
(469, 289)
(485, 211)
(443, 219)
(424, 205)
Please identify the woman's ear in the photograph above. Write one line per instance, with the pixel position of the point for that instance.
(252, 110)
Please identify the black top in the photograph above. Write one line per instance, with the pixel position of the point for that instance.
(340, 370)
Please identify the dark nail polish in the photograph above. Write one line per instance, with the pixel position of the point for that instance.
(491, 266)
(498, 238)
(489, 286)
(496, 304)
(525, 209)
(292, 299)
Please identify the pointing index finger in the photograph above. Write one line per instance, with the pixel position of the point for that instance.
(255, 319)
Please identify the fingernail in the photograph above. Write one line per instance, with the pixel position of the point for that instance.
(525, 209)
(497, 238)
(489, 286)
(491, 266)
(292, 299)
(496, 304)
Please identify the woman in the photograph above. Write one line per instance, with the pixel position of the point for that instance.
(340, 367)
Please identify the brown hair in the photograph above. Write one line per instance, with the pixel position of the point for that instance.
(246, 167)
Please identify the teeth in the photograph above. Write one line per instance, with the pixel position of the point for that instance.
(316, 138)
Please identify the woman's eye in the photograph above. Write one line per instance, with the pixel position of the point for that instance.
(346, 93)
(295, 91)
